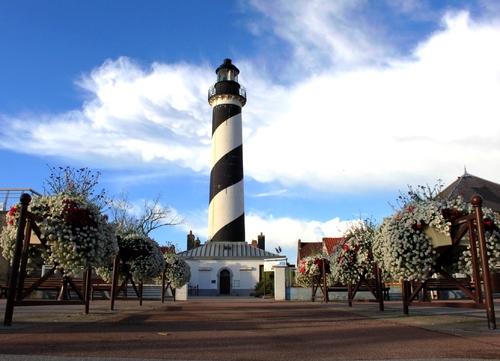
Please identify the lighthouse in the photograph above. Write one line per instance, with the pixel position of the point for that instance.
(226, 211)
(226, 264)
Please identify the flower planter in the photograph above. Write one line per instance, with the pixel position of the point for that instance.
(438, 239)
(441, 240)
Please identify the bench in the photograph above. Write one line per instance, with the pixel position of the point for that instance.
(443, 284)
(98, 284)
(4, 289)
(339, 287)
(50, 284)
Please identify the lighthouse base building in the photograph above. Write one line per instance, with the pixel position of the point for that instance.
(226, 268)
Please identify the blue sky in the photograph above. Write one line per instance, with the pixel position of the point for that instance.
(348, 102)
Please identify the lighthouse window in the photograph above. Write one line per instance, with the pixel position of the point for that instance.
(227, 74)
(222, 75)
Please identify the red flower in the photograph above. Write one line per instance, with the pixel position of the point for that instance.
(450, 214)
(489, 225)
(416, 226)
(12, 211)
(75, 216)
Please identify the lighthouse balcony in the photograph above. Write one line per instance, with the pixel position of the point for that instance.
(228, 88)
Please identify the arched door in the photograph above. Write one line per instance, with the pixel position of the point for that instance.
(225, 282)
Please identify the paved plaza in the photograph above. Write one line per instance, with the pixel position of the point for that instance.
(245, 328)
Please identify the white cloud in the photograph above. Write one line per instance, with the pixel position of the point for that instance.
(373, 128)
(271, 194)
(358, 130)
(323, 34)
(285, 232)
(132, 117)
(279, 231)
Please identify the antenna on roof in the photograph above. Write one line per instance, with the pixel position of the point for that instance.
(465, 170)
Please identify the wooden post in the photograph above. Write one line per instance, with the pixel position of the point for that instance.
(477, 201)
(87, 280)
(405, 288)
(114, 284)
(325, 287)
(163, 287)
(378, 285)
(16, 260)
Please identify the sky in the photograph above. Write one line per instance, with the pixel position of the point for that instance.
(349, 102)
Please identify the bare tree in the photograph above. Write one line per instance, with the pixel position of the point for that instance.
(79, 181)
(153, 215)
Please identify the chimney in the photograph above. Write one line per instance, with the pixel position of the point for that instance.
(261, 241)
(254, 243)
(190, 241)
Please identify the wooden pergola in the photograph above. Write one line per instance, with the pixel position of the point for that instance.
(471, 226)
(18, 291)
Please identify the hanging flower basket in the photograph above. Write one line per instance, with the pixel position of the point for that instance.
(76, 234)
(141, 258)
(407, 245)
(309, 268)
(353, 256)
(177, 271)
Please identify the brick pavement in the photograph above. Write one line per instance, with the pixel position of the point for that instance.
(240, 328)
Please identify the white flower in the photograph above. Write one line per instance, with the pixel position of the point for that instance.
(309, 267)
(177, 271)
(353, 256)
(64, 216)
(141, 257)
(403, 250)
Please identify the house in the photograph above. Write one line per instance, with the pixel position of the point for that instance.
(326, 245)
(226, 268)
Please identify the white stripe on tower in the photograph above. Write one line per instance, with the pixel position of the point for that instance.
(226, 211)
(226, 138)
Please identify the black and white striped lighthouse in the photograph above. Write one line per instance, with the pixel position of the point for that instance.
(226, 212)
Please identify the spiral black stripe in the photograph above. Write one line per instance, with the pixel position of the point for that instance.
(223, 112)
(234, 231)
(227, 171)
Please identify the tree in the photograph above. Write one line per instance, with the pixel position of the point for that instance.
(73, 181)
(153, 215)
(82, 181)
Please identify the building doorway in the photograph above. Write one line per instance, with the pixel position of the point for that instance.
(225, 282)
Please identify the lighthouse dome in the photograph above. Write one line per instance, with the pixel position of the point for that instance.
(227, 71)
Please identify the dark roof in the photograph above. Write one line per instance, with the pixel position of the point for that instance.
(469, 185)
(227, 65)
(227, 250)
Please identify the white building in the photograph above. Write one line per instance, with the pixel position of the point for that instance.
(225, 268)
